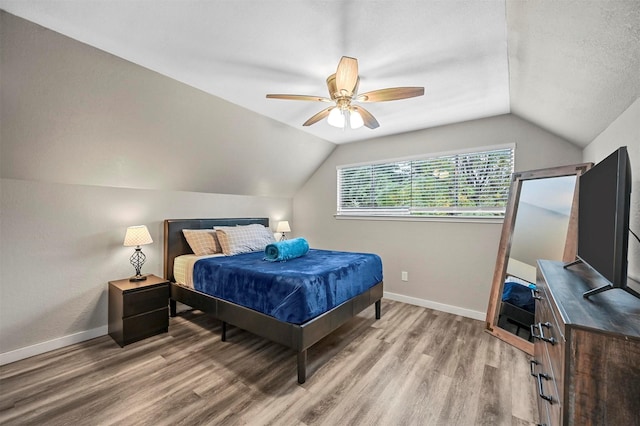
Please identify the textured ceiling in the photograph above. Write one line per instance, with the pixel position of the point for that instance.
(568, 66)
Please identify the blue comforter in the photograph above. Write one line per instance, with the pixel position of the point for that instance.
(519, 295)
(294, 291)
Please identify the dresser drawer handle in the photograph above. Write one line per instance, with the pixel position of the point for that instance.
(540, 336)
(532, 365)
(534, 292)
(541, 376)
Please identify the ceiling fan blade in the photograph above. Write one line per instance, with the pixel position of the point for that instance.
(391, 94)
(331, 86)
(347, 75)
(369, 120)
(299, 98)
(319, 116)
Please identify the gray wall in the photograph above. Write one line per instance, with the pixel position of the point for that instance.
(91, 144)
(538, 234)
(62, 243)
(450, 264)
(74, 114)
(624, 131)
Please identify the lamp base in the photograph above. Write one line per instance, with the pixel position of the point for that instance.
(138, 278)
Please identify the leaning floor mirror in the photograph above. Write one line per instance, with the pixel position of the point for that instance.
(540, 223)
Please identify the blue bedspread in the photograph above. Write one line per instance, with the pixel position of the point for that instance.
(518, 295)
(294, 291)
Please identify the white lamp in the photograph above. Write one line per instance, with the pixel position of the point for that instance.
(339, 117)
(283, 226)
(336, 118)
(137, 236)
(355, 119)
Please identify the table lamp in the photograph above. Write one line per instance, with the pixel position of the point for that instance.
(137, 236)
(283, 226)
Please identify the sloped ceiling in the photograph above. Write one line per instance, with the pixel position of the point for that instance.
(570, 67)
(574, 66)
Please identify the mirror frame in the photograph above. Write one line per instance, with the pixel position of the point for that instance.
(504, 249)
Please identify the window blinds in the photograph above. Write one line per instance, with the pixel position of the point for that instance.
(473, 184)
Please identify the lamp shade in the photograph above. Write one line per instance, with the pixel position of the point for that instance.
(336, 118)
(137, 236)
(283, 226)
(355, 119)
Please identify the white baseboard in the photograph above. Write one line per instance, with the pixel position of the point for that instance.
(437, 306)
(61, 342)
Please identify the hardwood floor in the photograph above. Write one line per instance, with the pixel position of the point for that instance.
(415, 366)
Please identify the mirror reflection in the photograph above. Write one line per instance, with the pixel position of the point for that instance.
(540, 232)
(541, 225)
(540, 222)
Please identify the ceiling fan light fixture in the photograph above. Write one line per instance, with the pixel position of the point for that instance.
(355, 119)
(336, 118)
(343, 90)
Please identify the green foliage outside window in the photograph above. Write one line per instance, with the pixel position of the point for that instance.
(472, 184)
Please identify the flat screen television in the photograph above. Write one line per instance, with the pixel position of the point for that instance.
(603, 220)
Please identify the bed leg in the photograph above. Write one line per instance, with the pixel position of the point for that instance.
(378, 305)
(302, 366)
(172, 308)
(224, 331)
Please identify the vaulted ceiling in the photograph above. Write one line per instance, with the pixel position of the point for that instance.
(569, 66)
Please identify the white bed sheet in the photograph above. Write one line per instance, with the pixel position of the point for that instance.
(511, 278)
(183, 267)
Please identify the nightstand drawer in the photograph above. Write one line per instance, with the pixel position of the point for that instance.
(144, 325)
(138, 309)
(141, 301)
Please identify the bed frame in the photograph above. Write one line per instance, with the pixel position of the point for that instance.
(298, 337)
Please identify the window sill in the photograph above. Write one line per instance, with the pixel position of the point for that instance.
(419, 219)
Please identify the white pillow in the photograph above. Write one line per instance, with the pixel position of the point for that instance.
(243, 239)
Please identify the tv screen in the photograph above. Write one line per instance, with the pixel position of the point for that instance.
(603, 219)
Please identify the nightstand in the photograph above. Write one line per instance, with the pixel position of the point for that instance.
(139, 309)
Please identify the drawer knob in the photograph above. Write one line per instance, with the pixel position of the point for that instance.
(534, 294)
(540, 334)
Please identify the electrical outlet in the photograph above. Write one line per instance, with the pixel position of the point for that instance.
(405, 276)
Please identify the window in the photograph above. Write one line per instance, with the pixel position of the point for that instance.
(464, 184)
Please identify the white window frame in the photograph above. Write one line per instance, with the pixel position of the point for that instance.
(413, 213)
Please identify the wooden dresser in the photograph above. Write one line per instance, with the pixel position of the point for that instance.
(586, 351)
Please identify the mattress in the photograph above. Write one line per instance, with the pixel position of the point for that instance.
(183, 268)
(294, 291)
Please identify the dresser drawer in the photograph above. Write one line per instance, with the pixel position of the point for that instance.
(548, 344)
(145, 300)
(144, 325)
(555, 330)
(538, 367)
(594, 361)
(549, 401)
(553, 388)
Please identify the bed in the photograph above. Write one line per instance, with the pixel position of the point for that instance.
(297, 336)
(517, 307)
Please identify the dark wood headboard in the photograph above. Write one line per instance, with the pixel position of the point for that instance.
(175, 244)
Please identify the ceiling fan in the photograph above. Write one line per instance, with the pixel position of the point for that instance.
(343, 89)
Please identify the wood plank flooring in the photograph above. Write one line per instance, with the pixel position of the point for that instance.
(414, 366)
